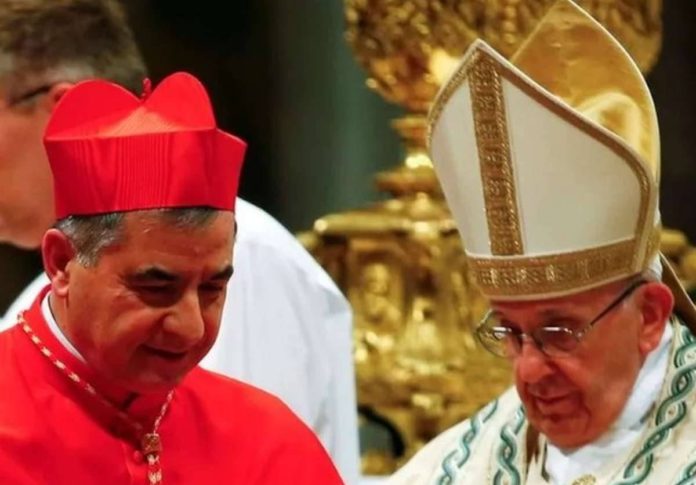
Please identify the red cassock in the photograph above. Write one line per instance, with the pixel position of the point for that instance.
(216, 430)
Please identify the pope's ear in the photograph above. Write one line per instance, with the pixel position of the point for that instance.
(656, 303)
(57, 252)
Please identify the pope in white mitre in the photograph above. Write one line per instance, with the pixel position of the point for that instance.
(550, 165)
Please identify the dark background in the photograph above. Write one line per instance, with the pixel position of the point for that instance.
(282, 77)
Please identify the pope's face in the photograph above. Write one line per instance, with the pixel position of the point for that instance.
(26, 194)
(149, 309)
(574, 399)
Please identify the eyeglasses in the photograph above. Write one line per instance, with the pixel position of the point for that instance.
(551, 340)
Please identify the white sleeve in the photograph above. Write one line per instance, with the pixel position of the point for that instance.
(341, 438)
(421, 468)
(286, 332)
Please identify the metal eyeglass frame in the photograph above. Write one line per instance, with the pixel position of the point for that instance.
(486, 333)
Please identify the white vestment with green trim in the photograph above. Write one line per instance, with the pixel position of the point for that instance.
(491, 446)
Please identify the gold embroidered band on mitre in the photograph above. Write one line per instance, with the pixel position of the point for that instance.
(558, 274)
(493, 146)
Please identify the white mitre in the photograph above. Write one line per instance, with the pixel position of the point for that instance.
(550, 162)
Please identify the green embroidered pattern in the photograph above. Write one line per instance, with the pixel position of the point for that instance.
(456, 459)
(507, 450)
(670, 413)
(688, 476)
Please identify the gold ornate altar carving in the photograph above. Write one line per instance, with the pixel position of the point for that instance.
(400, 261)
(408, 46)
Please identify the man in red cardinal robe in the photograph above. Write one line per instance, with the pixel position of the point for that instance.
(99, 380)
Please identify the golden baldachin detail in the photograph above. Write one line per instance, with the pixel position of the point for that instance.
(407, 46)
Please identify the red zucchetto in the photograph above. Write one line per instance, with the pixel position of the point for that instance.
(113, 152)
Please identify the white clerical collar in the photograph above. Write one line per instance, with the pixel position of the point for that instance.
(55, 329)
(564, 466)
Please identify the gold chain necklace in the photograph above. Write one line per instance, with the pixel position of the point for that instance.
(150, 443)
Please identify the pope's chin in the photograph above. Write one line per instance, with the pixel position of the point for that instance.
(563, 430)
(563, 420)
